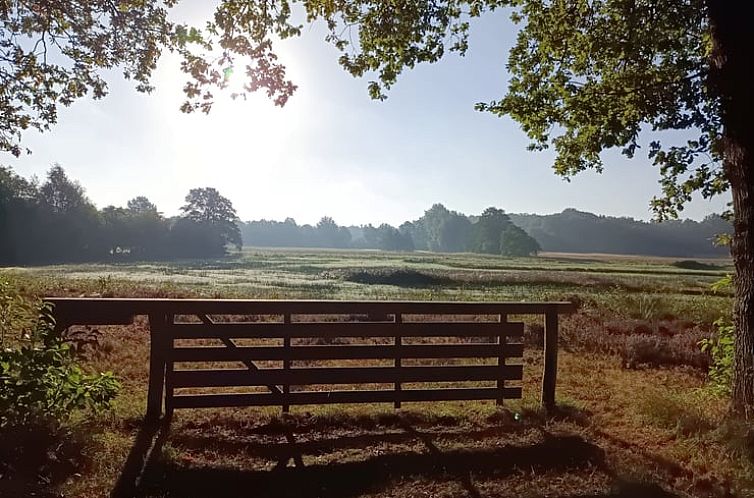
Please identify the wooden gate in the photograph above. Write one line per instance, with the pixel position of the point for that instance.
(413, 351)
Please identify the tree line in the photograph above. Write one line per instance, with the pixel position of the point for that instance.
(578, 231)
(269, 233)
(54, 222)
(496, 232)
(439, 229)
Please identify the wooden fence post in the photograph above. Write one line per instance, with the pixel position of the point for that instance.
(397, 364)
(156, 367)
(167, 343)
(287, 363)
(501, 341)
(550, 373)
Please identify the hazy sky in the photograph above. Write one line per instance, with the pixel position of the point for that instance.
(331, 150)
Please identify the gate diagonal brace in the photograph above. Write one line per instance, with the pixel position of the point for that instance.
(206, 320)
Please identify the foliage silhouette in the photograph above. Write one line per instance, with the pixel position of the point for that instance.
(56, 222)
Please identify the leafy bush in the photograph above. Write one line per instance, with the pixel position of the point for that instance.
(720, 347)
(40, 380)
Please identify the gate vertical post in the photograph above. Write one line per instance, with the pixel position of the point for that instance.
(501, 341)
(167, 344)
(398, 362)
(286, 364)
(549, 375)
(156, 367)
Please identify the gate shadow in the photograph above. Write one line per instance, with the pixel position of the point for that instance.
(141, 459)
(146, 475)
(349, 479)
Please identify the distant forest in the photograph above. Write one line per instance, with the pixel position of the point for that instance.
(53, 221)
(496, 232)
(577, 231)
(438, 230)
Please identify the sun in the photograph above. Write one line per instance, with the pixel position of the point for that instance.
(234, 82)
(244, 135)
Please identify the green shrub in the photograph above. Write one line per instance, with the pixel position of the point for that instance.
(721, 349)
(40, 380)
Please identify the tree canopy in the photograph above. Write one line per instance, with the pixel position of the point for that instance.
(495, 233)
(586, 76)
(56, 222)
(600, 70)
(591, 76)
(206, 207)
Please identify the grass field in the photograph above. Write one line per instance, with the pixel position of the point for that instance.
(645, 288)
(635, 420)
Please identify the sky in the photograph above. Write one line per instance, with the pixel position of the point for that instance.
(332, 151)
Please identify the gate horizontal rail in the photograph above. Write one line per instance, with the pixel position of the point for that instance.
(344, 352)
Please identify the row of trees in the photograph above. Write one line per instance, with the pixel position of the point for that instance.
(578, 231)
(55, 222)
(439, 230)
(287, 233)
(449, 231)
(384, 237)
(495, 232)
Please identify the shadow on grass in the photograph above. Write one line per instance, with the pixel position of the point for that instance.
(349, 479)
(143, 456)
(35, 459)
(632, 490)
(274, 452)
(150, 474)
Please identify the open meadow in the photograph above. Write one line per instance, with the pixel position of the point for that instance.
(636, 415)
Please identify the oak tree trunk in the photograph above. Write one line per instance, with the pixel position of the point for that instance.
(731, 79)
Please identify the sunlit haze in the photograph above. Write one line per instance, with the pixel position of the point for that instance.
(333, 151)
